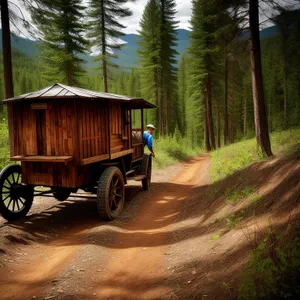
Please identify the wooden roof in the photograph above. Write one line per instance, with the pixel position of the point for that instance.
(61, 91)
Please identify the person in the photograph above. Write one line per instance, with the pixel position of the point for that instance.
(148, 138)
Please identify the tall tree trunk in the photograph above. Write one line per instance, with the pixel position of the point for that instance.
(206, 125)
(219, 122)
(261, 123)
(226, 100)
(168, 115)
(285, 100)
(6, 51)
(209, 114)
(245, 117)
(104, 62)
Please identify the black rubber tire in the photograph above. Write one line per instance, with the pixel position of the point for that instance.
(109, 206)
(61, 194)
(14, 194)
(146, 182)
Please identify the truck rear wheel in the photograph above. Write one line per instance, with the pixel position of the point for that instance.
(15, 198)
(110, 193)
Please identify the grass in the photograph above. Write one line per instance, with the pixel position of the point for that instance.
(215, 237)
(237, 195)
(227, 160)
(4, 145)
(169, 150)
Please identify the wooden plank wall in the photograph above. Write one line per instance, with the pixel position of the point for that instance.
(93, 131)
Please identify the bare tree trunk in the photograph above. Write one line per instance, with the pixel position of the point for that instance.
(209, 114)
(6, 51)
(261, 123)
(219, 122)
(168, 115)
(206, 126)
(245, 117)
(226, 100)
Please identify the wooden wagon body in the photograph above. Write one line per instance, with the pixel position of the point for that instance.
(65, 137)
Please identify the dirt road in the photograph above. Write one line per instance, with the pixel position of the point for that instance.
(65, 252)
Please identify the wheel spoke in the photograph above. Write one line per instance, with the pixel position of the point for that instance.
(8, 181)
(13, 178)
(6, 187)
(17, 201)
(18, 178)
(14, 203)
(115, 201)
(6, 198)
(111, 200)
(116, 183)
(22, 200)
(119, 195)
(9, 203)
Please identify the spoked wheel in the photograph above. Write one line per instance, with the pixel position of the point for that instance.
(146, 182)
(110, 193)
(15, 198)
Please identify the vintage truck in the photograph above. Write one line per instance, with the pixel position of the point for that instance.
(69, 138)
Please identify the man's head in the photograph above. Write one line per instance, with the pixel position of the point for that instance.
(150, 128)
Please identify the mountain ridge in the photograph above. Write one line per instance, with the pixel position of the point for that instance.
(127, 55)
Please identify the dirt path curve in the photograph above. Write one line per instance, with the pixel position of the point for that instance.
(124, 259)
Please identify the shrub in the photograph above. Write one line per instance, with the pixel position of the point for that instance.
(274, 269)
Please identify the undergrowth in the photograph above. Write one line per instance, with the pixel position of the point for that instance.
(4, 145)
(229, 159)
(273, 271)
(172, 149)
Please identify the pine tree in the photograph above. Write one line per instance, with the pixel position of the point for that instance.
(182, 94)
(105, 30)
(168, 78)
(60, 22)
(6, 53)
(203, 49)
(149, 56)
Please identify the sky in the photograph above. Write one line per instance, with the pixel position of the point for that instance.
(184, 10)
(183, 15)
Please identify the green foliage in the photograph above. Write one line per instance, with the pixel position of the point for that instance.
(170, 149)
(227, 160)
(63, 40)
(4, 143)
(237, 195)
(105, 30)
(233, 219)
(215, 237)
(157, 55)
(274, 269)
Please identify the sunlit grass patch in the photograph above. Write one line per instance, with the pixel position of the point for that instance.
(229, 159)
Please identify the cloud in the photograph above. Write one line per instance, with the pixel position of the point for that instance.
(183, 15)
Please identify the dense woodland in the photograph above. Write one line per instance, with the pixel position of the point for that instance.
(206, 96)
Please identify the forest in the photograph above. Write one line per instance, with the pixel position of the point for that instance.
(221, 217)
(206, 96)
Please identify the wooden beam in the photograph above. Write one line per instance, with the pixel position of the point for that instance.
(42, 158)
(94, 159)
(121, 153)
